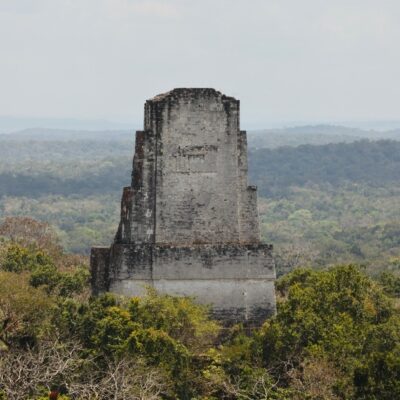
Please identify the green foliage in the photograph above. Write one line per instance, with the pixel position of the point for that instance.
(342, 316)
(336, 203)
(372, 163)
(65, 284)
(42, 270)
(159, 348)
(180, 317)
(336, 336)
(25, 311)
(325, 311)
(80, 220)
(19, 259)
(234, 370)
(318, 226)
(377, 376)
(168, 332)
(111, 332)
(59, 398)
(390, 283)
(336, 333)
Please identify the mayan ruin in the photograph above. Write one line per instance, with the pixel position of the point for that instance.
(189, 220)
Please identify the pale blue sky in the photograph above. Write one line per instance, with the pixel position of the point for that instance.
(286, 60)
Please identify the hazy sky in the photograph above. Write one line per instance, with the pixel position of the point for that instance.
(286, 60)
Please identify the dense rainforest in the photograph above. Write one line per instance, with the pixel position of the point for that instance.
(319, 204)
(332, 211)
(336, 335)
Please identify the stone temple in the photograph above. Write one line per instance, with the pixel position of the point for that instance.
(189, 221)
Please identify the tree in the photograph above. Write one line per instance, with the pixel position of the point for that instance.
(31, 234)
(28, 232)
(32, 371)
(24, 311)
(341, 317)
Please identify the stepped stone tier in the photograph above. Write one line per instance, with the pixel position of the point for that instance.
(189, 220)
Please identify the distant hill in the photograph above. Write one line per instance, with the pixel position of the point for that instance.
(13, 124)
(267, 138)
(316, 135)
(376, 163)
(35, 168)
(55, 135)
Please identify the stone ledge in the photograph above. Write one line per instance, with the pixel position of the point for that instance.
(192, 262)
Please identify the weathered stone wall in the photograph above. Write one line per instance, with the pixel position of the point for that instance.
(248, 210)
(189, 220)
(237, 279)
(189, 179)
(197, 168)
